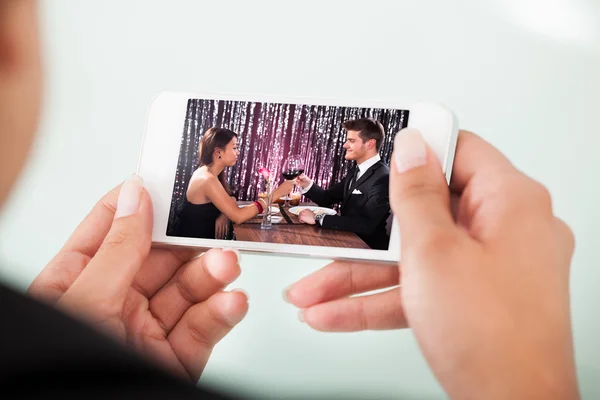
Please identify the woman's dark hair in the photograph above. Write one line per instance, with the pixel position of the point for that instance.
(215, 138)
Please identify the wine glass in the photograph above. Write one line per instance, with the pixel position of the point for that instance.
(292, 168)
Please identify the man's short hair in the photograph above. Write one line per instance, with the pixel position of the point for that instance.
(367, 129)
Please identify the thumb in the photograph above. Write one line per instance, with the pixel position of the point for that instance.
(108, 276)
(419, 194)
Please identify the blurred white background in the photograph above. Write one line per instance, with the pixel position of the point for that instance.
(524, 74)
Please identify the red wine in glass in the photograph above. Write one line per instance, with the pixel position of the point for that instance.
(292, 173)
(292, 168)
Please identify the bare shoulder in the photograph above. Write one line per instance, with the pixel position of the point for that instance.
(202, 177)
(201, 182)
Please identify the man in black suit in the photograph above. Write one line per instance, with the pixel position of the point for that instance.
(363, 193)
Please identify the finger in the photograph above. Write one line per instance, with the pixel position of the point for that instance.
(475, 156)
(58, 276)
(566, 242)
(374, 312)
(65, 267)
(221, 230)
(340, 279)
(195, 282)
(90, 233)
(307, 219)
(104, 283)
(419, 194)
(224, 230)
(159, 268)
(203, 326)
(455, 206)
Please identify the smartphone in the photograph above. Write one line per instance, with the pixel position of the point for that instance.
(289, 176)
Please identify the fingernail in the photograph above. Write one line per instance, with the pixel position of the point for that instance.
(221, 272)
(410, 150)
(232, 311)
(301, 315)
(129, 197)
(238, 256)
(242, 291)
(285, 294)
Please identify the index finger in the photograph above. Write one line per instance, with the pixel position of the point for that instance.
(473, 156)
(90, 233)
(87, 238)
(338, 280)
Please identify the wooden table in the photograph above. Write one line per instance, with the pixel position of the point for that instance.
(292, 231)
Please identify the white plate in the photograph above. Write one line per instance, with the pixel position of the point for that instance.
(316, 210)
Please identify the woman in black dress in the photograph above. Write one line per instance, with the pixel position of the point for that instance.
(209, 204)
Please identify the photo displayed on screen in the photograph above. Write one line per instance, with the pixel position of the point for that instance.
(314, 175)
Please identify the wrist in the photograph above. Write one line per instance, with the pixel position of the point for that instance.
(307, 187)
(530, 376)
(259, 206)
(263, 204)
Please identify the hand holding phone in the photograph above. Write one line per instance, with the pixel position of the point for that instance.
(168, 304)
(483, 281)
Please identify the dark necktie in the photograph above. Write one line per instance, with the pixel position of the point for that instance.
(354, 178)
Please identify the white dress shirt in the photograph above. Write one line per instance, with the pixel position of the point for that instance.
(362, 168)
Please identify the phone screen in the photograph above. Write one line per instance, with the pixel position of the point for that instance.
(337, 157)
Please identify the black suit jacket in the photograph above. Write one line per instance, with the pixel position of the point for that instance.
(365, 214)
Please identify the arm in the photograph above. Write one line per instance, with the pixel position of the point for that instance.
(211, 188)
(325, 198)
(222, 224)
(374, 211)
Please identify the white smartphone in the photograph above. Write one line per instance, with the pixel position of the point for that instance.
(339, 151)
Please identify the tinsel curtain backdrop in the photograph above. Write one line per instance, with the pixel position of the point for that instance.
(268, 133)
